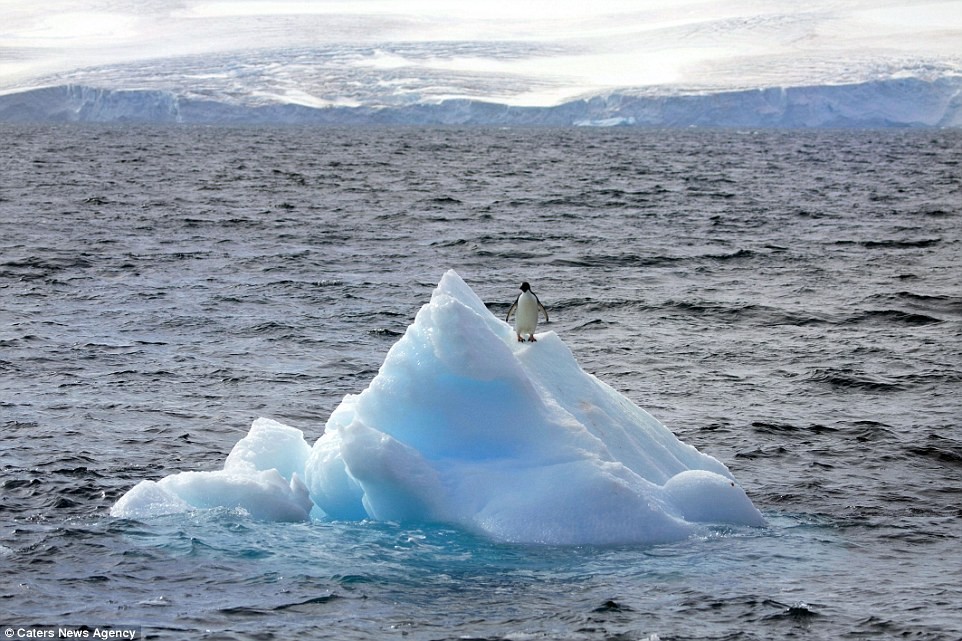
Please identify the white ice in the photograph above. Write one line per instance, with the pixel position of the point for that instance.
(555, 51)
(465, 425)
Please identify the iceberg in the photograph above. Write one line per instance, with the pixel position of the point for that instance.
(464, 425)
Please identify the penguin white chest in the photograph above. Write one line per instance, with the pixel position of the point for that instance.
(526, 316)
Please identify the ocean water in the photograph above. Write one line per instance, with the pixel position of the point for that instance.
(788, 302)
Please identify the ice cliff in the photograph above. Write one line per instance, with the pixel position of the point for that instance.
(898, 102)
(464, 425)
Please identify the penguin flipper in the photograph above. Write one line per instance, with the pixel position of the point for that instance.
(513, 307)
(541, 307)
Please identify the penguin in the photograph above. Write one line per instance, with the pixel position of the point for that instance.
(527, 306)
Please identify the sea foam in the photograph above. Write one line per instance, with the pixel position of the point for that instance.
(466, 426)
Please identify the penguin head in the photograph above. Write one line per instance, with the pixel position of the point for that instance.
(525, 286)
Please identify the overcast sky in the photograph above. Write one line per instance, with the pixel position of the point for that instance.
(569, 46)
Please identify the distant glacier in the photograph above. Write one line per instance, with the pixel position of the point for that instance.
(902, 102)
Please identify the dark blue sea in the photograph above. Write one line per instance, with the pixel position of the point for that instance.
(789, 302)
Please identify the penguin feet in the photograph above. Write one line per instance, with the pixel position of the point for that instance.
(532, 339)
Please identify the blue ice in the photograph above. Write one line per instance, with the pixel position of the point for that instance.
(464, 425)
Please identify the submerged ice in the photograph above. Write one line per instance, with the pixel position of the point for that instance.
(466, 426)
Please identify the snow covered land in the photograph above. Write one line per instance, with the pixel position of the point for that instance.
(464, 425)
(766, 63)
(893, 103)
